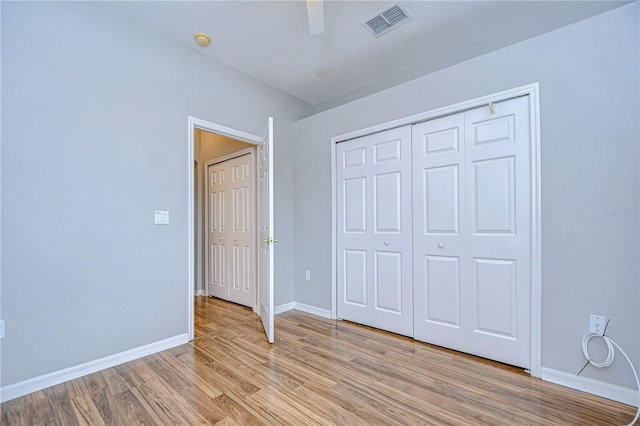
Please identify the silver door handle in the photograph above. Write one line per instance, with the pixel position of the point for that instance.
(440, 245)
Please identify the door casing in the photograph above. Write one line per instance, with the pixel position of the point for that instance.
(530, 90)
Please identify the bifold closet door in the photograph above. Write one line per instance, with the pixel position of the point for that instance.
(231, 230)
(471, 194)
(373, 209)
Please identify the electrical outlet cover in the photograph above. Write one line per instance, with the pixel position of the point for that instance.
(597, 323)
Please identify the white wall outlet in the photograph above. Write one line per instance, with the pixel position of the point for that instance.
(2, 329)
(161, 217)
(597, 323)
(307, 275)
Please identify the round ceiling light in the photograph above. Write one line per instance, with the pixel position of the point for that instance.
(202, 39)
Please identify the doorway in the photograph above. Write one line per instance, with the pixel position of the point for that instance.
(228, 140)
(210, 148)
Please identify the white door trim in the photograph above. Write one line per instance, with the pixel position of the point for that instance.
(530, 90)
(231, 156)
(192, 124)
(247, 151)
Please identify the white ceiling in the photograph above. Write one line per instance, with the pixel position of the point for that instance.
(270, 41)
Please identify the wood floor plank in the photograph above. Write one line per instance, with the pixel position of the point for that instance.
(222, 375)
(16, 412)
(252, 372)
(109, 409)
(60, 403)
(285, 409)
(172, 409)
(86, 411)
(236, 413)
(317, 372)
(363, 412)
(182, 379)
(375, 401)
(329, 411)
(134, 409)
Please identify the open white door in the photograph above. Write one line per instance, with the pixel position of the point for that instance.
(265, 224)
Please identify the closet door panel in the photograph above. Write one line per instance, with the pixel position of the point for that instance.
(355, 277)
(438, 238)
(217, 198)
(374, 231)
(440, 200)
(494, 200)
(354, 200)
(241, 231)
(498, 245)
(388, 281)
(387, 194)
(441, 293)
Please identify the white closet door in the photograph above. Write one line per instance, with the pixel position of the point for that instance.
(374, 231)
(499, 231)
(217, 199)
(231, 265)
(439, 246)
(471, 186)
(240, 230)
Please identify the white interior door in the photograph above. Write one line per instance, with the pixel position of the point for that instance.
(439, 244)
(265, 225)
(216, 272)
(498, 265)
(374, 283)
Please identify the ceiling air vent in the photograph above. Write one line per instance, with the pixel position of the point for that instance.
(387, 19)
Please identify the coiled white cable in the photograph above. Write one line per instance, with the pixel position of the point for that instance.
(609, 360)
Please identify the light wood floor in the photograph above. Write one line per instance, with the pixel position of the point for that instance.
(317, 372)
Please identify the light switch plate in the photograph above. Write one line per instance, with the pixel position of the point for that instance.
(161, 217)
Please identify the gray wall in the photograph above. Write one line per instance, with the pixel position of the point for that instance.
(588, 75)
(94, 139)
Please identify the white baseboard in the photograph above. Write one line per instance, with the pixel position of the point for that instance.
(313, 310)
(16, 390)
(302, 307)
(592, 386)
(284, 308)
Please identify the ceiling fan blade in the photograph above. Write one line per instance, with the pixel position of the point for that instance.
(315, 12)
